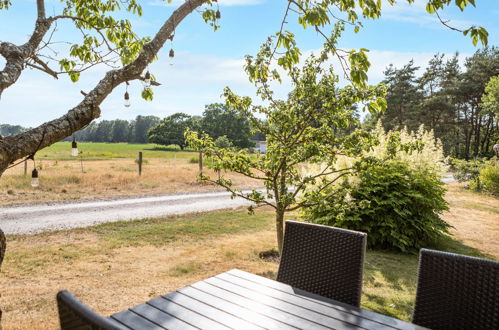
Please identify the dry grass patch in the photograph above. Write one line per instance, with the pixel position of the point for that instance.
(107, 178)
(114, 266)
(126, 260)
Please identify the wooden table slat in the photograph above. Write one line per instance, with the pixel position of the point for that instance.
(308, 305)
(175, 319)
(134, 321)
(380, 318)
(279, 306)
(240, 300)
(213, 313)
(190, 316)
(224, 305)
(258, 305)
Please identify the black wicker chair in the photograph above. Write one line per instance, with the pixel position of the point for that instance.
(456, 292)
(324, 260)
(74, 315)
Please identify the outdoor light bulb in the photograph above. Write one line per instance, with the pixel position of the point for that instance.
(35, 182)
(74, 148)
(147, 80)
(127, 100)
(172, 53)
(217, 14)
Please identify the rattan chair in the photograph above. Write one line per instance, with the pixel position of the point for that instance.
(324, 260)
(74, 315)
(456, 292)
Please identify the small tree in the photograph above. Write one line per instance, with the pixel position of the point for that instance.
(301, 129)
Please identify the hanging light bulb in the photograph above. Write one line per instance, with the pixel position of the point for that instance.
(147, 80)
(127, 96)
(35, 182)
(218, 15)
(74, 148)
(172, 53)
(127, 100)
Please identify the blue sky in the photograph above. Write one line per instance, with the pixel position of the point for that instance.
(207, 61)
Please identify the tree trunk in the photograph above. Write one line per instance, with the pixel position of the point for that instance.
(279, 224)
(3, 246)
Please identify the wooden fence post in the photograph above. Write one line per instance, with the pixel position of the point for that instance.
(201, 162)
(25, 167)
(140, 162)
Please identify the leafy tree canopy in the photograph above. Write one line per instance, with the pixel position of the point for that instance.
(171, 129)
(221, 120)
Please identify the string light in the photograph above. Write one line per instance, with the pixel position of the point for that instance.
(172, 53)
(127, 97)
(147, 80)
(218, 15)
(35, 182)
(74, 148)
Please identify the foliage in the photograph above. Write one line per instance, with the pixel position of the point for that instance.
(489, 178)
(223, 142)
(300, 129)
(490, 100)
(118, 130)
(467, 170)
(449, 101)
(429, 154)
(398, 206)
(6, 129)
(171, 129)
(220, 120)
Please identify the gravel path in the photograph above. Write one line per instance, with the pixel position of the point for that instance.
(50, 216)
(36, 218)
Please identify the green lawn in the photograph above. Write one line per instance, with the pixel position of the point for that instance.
(94, 151)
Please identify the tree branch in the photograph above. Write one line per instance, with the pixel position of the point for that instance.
(20, 145)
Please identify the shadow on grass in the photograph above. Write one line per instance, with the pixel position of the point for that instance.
(390, 278)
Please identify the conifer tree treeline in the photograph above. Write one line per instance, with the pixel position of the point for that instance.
(118, 130)
(447, 99)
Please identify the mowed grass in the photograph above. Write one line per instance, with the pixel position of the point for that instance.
(139, 260)
(95, 151)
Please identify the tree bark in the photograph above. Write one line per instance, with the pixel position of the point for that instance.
(279, 223)
(3, 246)
(18, 146)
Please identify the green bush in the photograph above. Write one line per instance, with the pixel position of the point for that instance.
(467, 170)
(489, 178)
(397, 205)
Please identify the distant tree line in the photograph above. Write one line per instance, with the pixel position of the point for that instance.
(218, 121)
(118, 130)
(448, 100)
(6, 129)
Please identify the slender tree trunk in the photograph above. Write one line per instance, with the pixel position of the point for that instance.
(3, 246)
(279, 223)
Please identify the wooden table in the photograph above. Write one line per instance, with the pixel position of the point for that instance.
(240, 300)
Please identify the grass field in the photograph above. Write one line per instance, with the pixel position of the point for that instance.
(99, 151)
(139, 260)
(107, 170)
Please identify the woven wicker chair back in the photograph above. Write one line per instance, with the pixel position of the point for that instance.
(324, 260)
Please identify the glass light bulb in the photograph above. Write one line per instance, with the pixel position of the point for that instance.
(35, 182)
(127, 103)
(147, 83)
(74, 152)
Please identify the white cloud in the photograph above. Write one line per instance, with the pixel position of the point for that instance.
(416, 13)
(193, 81)
(226, 3)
